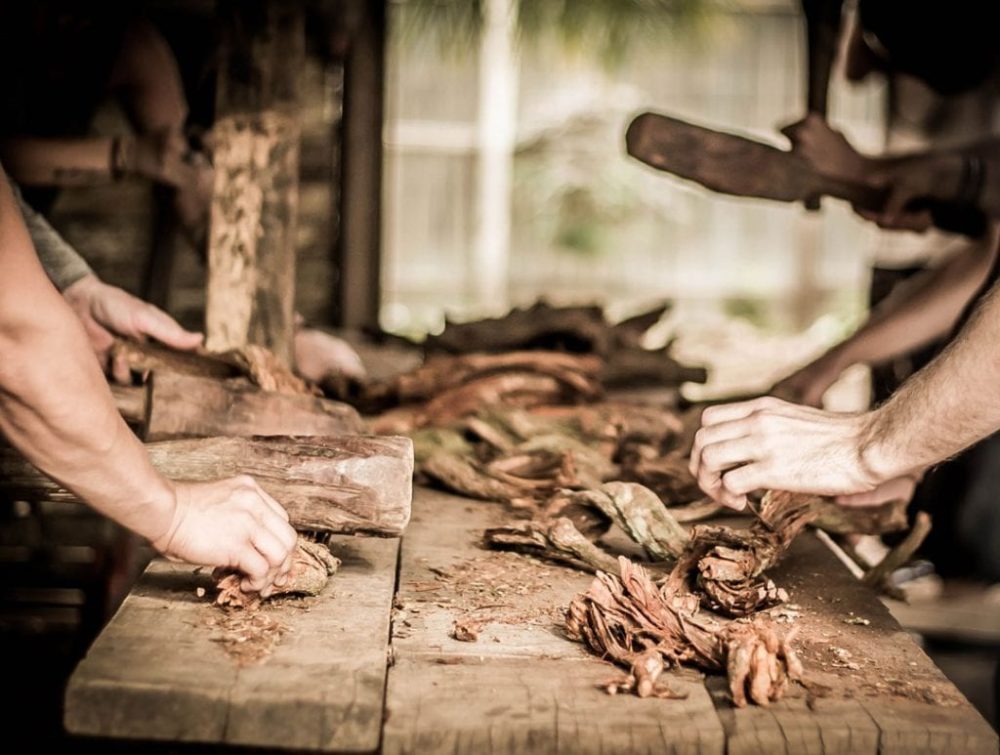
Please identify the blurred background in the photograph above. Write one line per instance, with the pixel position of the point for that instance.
(506, 178)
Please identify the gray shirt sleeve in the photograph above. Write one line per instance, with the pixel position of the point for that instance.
(62, 263)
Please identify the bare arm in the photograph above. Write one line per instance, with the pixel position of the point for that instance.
(83, 161)
(912, 317)
(56, 408)
(946, 407)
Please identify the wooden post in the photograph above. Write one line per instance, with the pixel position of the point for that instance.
(496, 128)
(359, 246)
(251, 257)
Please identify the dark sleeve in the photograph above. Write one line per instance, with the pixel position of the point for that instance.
(62, 263)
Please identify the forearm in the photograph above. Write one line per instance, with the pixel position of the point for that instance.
(920, 312)
(55, 406)
(946, 407)
(38, 161)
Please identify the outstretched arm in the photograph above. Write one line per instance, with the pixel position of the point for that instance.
(920, 312)
(56, 409)
(946, 407)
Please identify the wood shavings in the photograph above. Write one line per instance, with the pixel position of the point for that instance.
(466, 630)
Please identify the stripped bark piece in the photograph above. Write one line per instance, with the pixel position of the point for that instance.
(464, 475)
(697, 511)
(558, 540)
(576, 506)
(642, 515)
(312, 567)
(270, 373)
(630, 331)
(255, 363)
(509, 388)
(575, 329)
(636, 366)
(667, 475)
(434, 440)
(626, 619)
(860, 520)
(726, 565)
(148, 356)
(643, 679)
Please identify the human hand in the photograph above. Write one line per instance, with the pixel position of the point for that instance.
(107, 311)
(163, 157)
(769, 444)
(318, 354)
(826, 149)
(905, 179)
(808, 384)
(231, 524)
(896, 489)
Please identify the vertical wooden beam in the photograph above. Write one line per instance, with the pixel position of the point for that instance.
(359, 248)
(497, 133)
(251, 258)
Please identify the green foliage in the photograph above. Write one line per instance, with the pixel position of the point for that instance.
(604, 28)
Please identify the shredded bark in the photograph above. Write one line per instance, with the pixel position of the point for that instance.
(267, 371)
(726, 566)
(628, 619)
(312, 567)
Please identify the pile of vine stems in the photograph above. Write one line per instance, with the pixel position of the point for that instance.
(534, 430)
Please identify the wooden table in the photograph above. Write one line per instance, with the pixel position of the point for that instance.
(372, 665)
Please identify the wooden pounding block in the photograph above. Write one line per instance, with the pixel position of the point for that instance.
(157, 673)
(173, 405)
(347, 484)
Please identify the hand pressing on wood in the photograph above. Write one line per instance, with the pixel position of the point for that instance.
(107, 311)
(231, 524)
(769, 444)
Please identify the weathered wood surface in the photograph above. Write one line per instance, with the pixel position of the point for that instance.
(345, 484)
(182, 406)
(156, 673)
(251, 258)
(522, 687)
(885, 695)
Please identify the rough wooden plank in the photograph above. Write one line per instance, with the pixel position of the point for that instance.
(251, 259)
(346, 484)
(882, 693)
(155, 673)
(185, 406)
(522, 687)
(541, 705)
